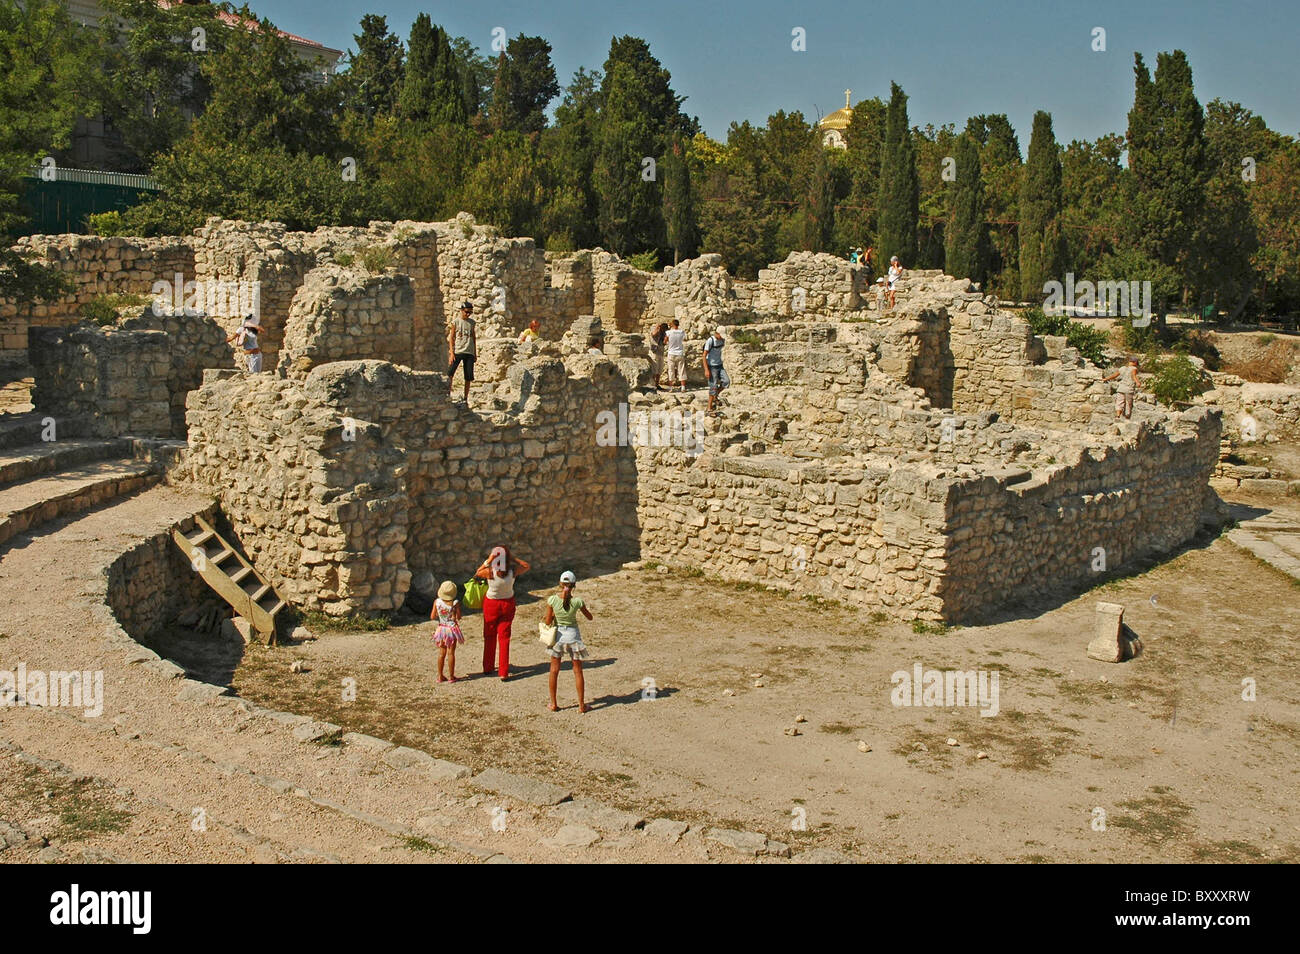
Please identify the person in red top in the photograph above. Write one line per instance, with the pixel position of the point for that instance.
(500, 570)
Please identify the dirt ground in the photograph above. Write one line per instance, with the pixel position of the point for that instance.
(1156, 759)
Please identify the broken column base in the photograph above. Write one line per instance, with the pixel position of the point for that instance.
(1113, 641)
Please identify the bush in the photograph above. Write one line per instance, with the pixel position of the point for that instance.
(1088, 341)
(646, 261)
(1135, 339)
(1269, 368)
(747, 337)
(104, 309)
(1175, 379)
(108, 224)
(377, 258)
(344, 258)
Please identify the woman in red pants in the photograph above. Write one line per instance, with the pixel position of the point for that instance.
(500, 570)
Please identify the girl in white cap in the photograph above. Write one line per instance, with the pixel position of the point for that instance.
(446, 610)
(562, 612)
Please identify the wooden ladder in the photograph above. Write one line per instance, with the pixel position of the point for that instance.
(231, 576)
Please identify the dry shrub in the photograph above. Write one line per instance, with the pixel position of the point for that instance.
(1270, 367)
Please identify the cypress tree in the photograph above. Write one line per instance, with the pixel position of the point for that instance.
(418, 74)
(900, 186)
(503, 113)
(1042, 246)
(1169, 168)
(679, 207)
(639, 110)
(966, 252)
(448, 104)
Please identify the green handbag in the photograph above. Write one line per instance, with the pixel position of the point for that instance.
(475, 590)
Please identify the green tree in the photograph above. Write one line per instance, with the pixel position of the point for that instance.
(1168, 167)
(967, 241)
(1092, 200)
(935, 146)
(1226, 243)
(855, 216)
(1042, 245)
(1001, 167)
(375, 70)
(734, 224)
(525, 85)
(263, 95)
(45, 59)
(639, 111)
(569, 146)
(899, 190)
(433, 87)
(152, 84)
(679, 204)
(502, 188)
(476, 72)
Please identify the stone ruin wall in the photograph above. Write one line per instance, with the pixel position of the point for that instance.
(1015, 539)
(98, 383)
(860, 476)
(423, 486)
(96, 266)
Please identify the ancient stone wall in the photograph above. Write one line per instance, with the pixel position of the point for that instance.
(810, 283)
(113, 382)
(345, 314)
(620, 293)
(864, 531)
(1062, 526)
(347, 482)
(194, 344)
(96, 267)
(152, 582)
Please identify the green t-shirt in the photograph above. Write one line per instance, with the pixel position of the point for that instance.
(565, 617)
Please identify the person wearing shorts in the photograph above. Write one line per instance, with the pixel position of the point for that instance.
(676, 355)
(462, 344)
(562, 611)
(1126, 390)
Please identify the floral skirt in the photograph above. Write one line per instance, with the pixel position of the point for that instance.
(448, 634)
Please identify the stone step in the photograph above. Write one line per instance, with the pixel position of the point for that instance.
(21, 463)
(33, 502)
(30, 427)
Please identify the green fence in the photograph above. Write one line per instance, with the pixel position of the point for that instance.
(62, 204)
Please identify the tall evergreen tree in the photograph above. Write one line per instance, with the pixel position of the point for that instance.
(818, 211)
(525, 65)
(639, 111)
(679, 206)
(967, 247)
(569, 218)
(503, 113)
(855, 218)
(448, 104)
(1001, 169)
(418, 76)
(375, 71)
(1169, 168)
(1042, 245)
(900, 187)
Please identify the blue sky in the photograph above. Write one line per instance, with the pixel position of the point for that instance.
(954, 59)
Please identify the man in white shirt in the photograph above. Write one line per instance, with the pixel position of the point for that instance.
(676, 355)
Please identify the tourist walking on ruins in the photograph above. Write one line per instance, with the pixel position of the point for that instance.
(713, 369)
(895, 273)
(446, 610)
(869, 260)
(531, 333)
(1127, 388)
(500, 570)
(676, 346)
(562, 612)
(462, 345)
(246, 336)
(658, 346)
